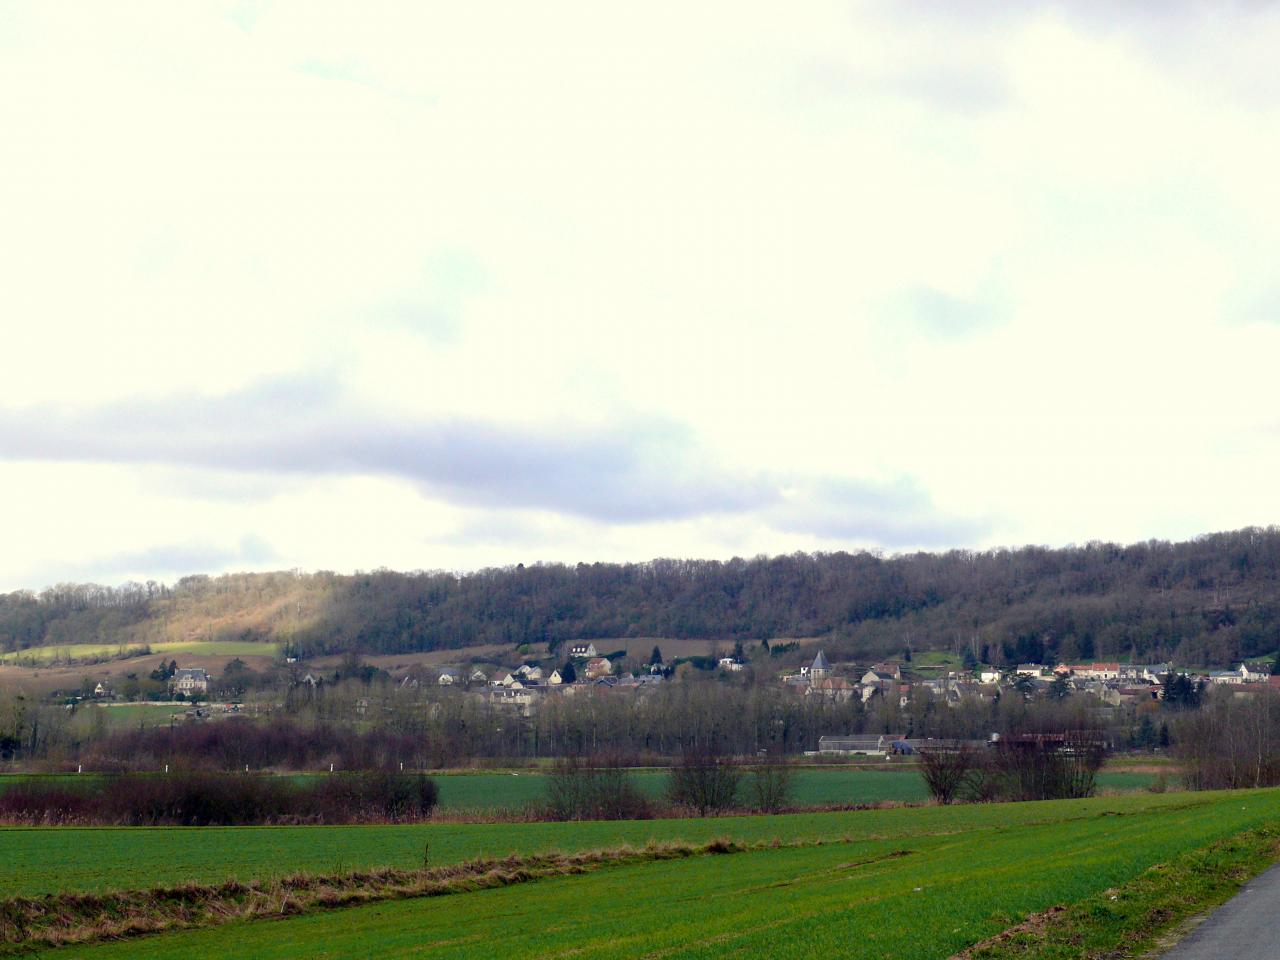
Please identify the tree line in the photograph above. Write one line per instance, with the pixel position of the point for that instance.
(1211, 600)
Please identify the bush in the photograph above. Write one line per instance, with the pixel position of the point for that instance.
(200, 798)
(599, 789)
(770, 786)
(951, 771)
(705, 781)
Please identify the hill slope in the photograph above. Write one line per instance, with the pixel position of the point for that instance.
(1210, 600)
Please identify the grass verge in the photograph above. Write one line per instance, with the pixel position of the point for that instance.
(1132, 919)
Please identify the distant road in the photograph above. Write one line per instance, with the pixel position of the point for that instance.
(1244, 928)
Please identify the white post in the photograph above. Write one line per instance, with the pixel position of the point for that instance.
(402, 765)
(246, 768)
(79, 768)
(331, 768)
(166, 768)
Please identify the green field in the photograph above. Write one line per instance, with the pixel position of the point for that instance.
(911, 884)
(47, 860)
(813, 786)
(98, 651)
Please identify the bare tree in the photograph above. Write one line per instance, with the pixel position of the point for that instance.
(949, 769)
(705, 780)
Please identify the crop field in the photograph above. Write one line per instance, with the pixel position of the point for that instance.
(84, 859)
(90, 651)
(913, 884)
(812, 787)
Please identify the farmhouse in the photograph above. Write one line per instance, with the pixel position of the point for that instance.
(583, 651)
(189, 680)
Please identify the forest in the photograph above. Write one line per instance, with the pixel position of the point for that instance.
(1211, 600)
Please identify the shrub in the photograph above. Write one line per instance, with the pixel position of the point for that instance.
(705, 781)
(950, 771)
(599, 789)
(202, 798)
(770, 786)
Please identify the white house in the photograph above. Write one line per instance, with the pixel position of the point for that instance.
(728, 663)
(189, 680)
(583, 651)
(988, 675)
(449, 677)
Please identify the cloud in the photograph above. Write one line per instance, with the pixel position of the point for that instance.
(629, 471)
(635, 471)
(164, 561)
(898, 514)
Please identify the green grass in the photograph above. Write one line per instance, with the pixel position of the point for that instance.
(813, 787)
(47, 860)
(86, 651)
(964, 875)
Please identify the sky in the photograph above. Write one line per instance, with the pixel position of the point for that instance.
(444, 286)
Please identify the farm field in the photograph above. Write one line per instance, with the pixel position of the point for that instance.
(814, 786)
(83, 859)
(82, 651)
(912, 884)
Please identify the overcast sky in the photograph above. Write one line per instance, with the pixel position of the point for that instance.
(343, 286)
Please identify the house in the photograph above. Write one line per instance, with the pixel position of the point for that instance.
(833, 688)
(583, 651)
(988, 675)
(555, 679)
(892, 671)
(820, 667)
(530, 672)
(1097, 671)
(1226, 677)
(189, 680)
(478, 676)
(729, 663)
(518, 699)
(103, 689)
(448, 677)
(1255, 672)
(597, 667)
(1029, 669)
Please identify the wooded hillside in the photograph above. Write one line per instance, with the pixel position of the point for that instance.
(1210, 600)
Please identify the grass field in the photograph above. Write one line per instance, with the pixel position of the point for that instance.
(90, 651)
(911, 884)
(813, 787)
(46, 860)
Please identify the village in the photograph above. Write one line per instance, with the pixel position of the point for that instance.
(585, 672)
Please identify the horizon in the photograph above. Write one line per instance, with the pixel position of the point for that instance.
(871, 551)
(431, 289)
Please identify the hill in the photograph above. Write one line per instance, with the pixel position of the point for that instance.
(1210, 600)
